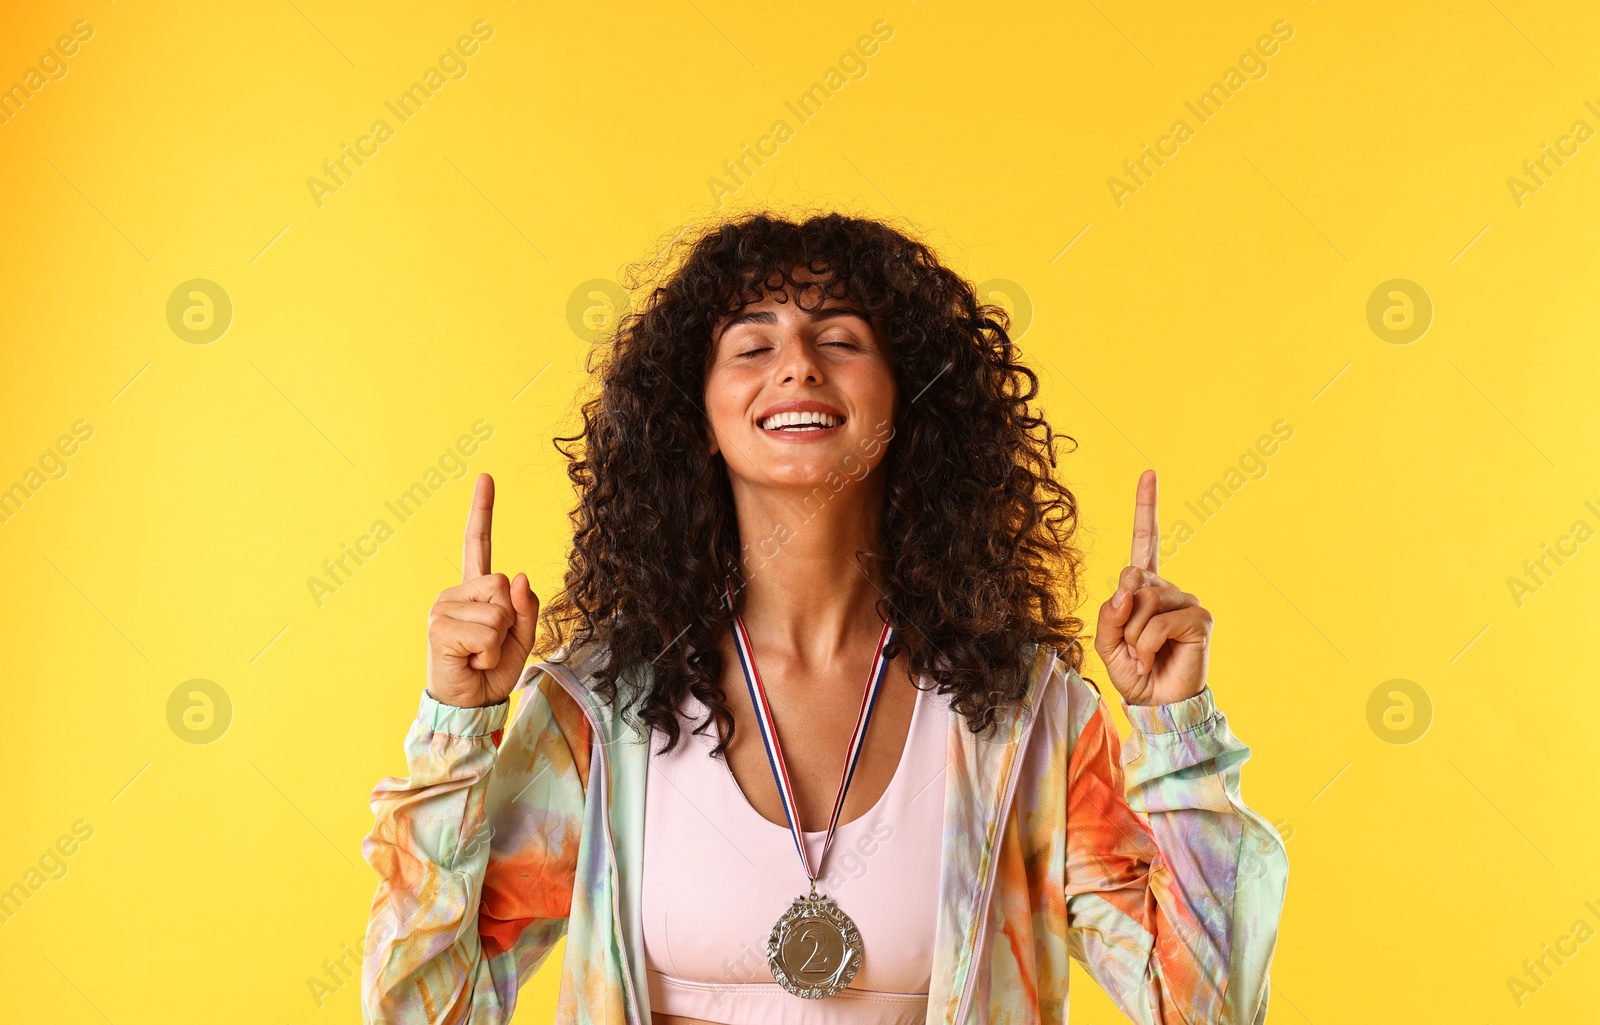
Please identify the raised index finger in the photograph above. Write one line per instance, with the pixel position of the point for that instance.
(1146, 527)
(475, 547)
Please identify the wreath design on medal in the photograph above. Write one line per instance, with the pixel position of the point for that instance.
(814, 949)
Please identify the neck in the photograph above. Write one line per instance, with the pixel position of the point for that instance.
(805, 592)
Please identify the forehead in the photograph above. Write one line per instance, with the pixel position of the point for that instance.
(765, 314)
(800, 294)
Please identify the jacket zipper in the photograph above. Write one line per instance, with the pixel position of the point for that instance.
(994, 863)
(611, 850)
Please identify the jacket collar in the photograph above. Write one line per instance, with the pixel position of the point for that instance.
(980, 782)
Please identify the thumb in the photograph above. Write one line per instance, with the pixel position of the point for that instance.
(526, 605)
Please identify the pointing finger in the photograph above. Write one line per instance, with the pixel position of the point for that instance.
(475, 546)
(1146, 526)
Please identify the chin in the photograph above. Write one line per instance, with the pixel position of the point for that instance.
(808, 475)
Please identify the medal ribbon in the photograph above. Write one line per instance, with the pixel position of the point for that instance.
(769, 735)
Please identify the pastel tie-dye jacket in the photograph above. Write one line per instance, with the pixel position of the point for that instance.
(1141, 862)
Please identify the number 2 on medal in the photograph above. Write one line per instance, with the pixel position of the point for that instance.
(815, 947)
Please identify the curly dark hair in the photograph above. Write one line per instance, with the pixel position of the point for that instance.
(977, 565)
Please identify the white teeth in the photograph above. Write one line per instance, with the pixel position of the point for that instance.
(800, 421)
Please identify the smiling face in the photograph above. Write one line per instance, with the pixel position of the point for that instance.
(796, 394)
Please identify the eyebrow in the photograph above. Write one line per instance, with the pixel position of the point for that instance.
(770, 317)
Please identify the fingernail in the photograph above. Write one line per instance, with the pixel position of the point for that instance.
(1118, 598)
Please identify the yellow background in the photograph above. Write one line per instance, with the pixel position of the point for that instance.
(1228, 293)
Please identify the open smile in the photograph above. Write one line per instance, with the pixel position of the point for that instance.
(794, 422)
(800, 418)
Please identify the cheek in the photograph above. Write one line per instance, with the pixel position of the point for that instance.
(726, 401)
(872, 390)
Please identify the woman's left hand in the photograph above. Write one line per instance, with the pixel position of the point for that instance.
(1153, 637)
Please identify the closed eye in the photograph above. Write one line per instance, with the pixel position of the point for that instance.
(847, 343)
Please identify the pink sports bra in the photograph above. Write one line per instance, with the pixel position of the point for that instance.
(717, 875)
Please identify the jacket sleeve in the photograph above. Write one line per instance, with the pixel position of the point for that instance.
(1174, 887)
(475, 853)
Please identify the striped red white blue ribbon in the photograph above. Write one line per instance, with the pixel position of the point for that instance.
(769, 734)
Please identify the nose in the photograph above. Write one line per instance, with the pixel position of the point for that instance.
(799, 362)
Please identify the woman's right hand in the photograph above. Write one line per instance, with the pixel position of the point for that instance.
(480, 632)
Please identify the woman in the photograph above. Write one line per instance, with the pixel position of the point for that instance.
(812, 462)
